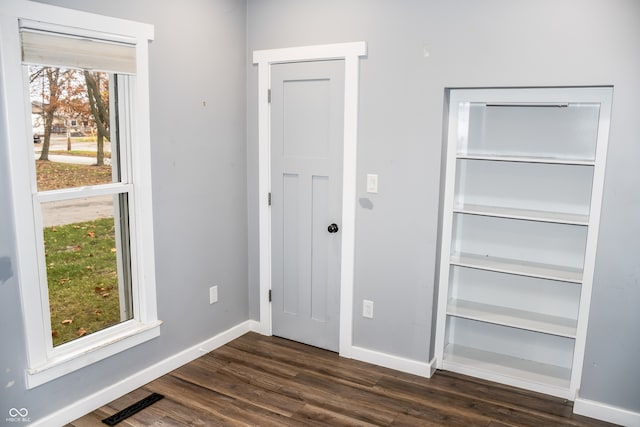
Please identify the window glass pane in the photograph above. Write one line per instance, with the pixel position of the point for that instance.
(71, 122)
(87, 264)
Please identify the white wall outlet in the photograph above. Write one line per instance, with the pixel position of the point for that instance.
(213, 294)
(367, 309)
(372, 183)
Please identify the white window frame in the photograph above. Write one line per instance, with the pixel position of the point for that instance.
(45, 362)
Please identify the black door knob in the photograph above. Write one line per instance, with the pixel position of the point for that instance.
(333, 228)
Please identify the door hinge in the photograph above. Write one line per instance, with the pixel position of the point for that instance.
(269, 199)
(269, 96)
(269, 295)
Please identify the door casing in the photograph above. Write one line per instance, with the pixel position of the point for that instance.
(350, 53)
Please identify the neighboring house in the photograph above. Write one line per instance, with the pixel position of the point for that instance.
(62, 121)
(37, 118)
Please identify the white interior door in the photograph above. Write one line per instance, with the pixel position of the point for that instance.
(307, 115)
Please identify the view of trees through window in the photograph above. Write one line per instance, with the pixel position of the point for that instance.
(70, 103)
(85, 246)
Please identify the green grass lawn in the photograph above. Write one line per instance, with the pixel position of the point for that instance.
(81, 260)
(82, 277)
(86, 139)
(80, 153)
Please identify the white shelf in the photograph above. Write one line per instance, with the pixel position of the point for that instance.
(514, 318)
(522, 268)
(525, 214)
(536, 376)
(522, 199)
(526, 159)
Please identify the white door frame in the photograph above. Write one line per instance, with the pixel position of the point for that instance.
(350, 53)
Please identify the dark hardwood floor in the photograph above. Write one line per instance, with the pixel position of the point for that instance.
(269, 381)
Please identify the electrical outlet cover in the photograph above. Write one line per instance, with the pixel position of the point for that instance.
(367, 309)
(213, 294)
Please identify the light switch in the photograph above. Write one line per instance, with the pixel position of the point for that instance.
(372, 183)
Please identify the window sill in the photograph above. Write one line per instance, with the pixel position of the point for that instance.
(108, 345)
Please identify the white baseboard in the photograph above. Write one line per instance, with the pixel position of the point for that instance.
(106, 395)
(254, 326)
(604, 412)
(423, 369)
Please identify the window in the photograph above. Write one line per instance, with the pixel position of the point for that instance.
(82, 209)
(82, 181)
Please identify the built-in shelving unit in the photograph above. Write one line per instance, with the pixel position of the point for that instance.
(512, 266)
(549, 160)
(515, 371)
(524, 177)
(526, 214)
(516, 318)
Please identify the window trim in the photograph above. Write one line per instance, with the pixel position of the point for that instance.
(43, 362)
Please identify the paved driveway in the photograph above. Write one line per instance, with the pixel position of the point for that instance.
(77, 210)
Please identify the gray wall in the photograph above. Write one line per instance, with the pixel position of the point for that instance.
(470, 43)
(200, 211)
(205, 178)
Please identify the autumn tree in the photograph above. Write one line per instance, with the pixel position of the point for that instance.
(69, 93)
(99, 105)
(76, 105)
(51, 88)
(58, 91)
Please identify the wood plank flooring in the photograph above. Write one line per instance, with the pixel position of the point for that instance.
(270, 381)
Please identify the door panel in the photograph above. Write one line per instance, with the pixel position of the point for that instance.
(290, 240)
(306, 118)
(320, 257)
(307, 111)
